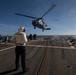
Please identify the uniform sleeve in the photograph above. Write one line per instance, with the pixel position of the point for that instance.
(13, 39)
(25, 38)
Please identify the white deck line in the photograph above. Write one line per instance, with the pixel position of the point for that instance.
(71, 47)
(6, 48)
(53, 46)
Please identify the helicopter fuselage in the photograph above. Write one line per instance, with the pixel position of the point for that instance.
(39, 23)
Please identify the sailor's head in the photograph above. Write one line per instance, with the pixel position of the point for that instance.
(22, 29)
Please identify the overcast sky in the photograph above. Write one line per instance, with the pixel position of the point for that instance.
(61, 19)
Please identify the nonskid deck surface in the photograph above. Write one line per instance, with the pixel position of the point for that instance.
(45, 56)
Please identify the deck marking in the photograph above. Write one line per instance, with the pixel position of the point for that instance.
(6, 48)
(71, 47)
(52, 46)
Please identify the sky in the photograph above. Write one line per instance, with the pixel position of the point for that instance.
(61, 19)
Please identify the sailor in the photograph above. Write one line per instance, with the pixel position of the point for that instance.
(0, 39)
(6, 40)
(20, 40)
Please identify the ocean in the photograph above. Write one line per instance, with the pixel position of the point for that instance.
(41, 36)
(3, 38)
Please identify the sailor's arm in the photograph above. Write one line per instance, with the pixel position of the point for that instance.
(12, 39)
(25, 38)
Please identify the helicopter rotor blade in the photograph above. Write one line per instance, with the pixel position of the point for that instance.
(26, 16)
(53, 5)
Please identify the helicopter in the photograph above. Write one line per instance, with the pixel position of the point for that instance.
(38, 22)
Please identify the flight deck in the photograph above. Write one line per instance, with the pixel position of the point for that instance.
(44, 56)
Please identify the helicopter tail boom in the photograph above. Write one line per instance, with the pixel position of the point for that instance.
(48, 28)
